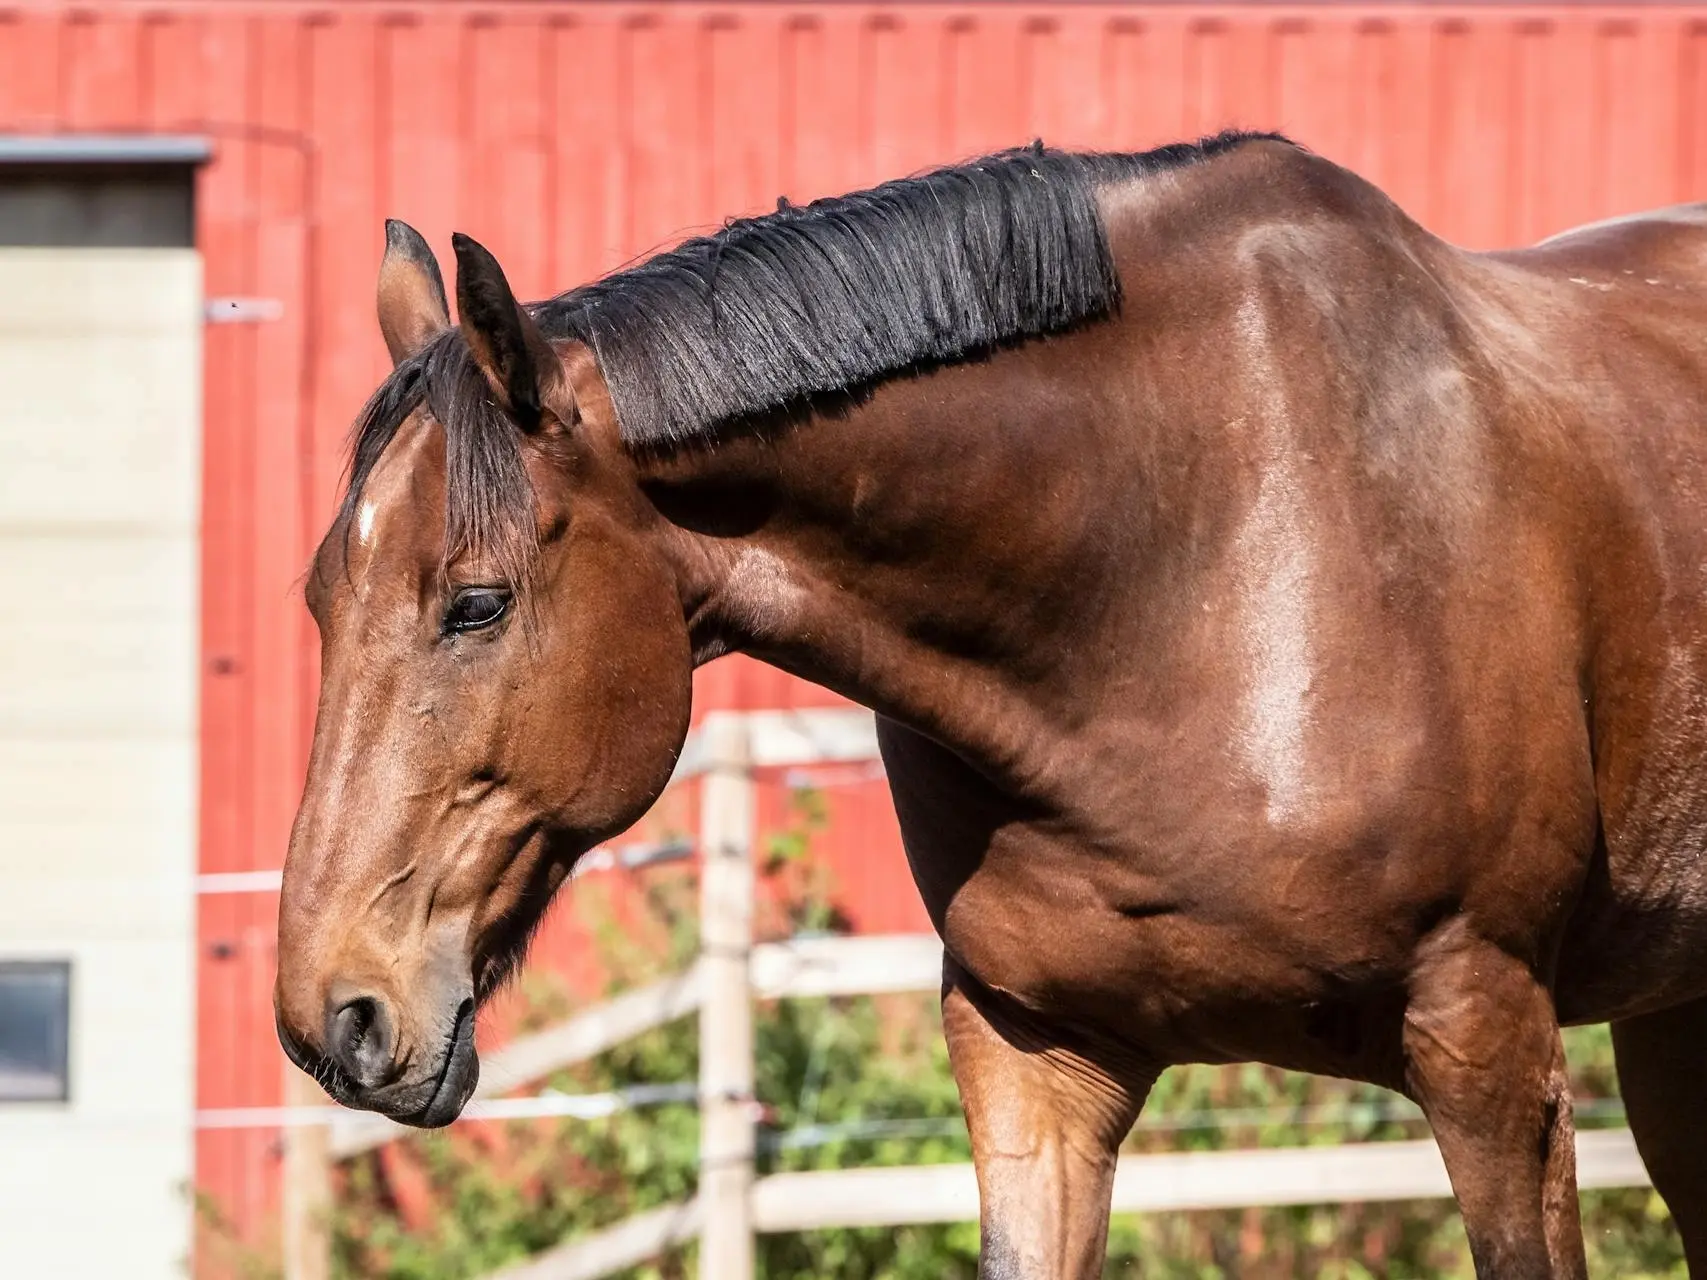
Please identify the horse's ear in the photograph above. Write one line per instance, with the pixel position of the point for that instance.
(412, 307)
(524, 372)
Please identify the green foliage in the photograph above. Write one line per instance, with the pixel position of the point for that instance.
(802, 895)
(866, 1082)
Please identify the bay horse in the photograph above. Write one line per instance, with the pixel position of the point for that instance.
(1288, 634)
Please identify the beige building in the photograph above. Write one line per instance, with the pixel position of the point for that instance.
(100, 340)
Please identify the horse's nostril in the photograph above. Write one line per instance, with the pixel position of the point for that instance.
(359, 1039)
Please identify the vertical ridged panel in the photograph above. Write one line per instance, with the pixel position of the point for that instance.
(31, 43)
(1691, 176)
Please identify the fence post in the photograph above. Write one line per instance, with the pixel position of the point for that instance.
(307, 1185)
(726, 1013)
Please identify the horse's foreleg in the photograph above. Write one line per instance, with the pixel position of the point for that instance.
(1484, 1058)
(1662, 1061)
(1045, 1124)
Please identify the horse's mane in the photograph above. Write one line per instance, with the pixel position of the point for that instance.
(812, 300)
(820, 298)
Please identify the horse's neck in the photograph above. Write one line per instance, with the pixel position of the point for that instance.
(930, 553)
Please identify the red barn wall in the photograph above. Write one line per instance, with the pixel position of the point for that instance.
(573, 137)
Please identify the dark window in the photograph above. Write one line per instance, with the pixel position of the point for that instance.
(35, 1030)
(98, 191)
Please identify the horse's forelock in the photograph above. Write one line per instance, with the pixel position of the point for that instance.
(489, 501)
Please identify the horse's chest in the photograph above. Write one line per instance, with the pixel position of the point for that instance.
(1082, 937)
(1044, 936)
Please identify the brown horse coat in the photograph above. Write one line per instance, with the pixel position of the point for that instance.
(1302, 658)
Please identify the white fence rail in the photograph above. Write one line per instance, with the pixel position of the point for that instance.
(1363, 1173)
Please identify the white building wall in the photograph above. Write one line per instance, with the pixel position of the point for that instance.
(99, 537)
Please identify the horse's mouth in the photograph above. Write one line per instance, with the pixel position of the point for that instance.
(446, 1092)
(458, 1075)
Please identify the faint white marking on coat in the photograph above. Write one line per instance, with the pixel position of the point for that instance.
(1276, 632)
(760, 594)
(1276, 570)
(364, 523)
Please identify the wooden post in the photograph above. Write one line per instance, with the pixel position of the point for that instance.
(726, 1014)
(307, 1185)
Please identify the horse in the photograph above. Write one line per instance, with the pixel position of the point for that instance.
(1287, 633)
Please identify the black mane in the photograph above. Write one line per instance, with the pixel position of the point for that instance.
(820, 298)
(808, 301)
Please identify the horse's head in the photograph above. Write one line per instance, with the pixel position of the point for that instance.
(505, 677)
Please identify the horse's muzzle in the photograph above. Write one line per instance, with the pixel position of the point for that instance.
(457, 1078)
(362, 1069)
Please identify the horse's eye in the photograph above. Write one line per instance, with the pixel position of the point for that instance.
(473, 608)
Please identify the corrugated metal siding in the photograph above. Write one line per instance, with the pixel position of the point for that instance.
(572, 137)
